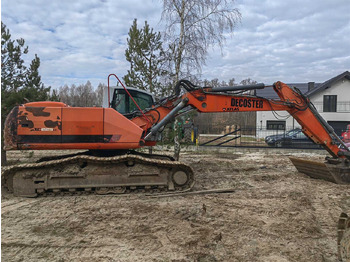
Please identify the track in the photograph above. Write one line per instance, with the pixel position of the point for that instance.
(83, 174)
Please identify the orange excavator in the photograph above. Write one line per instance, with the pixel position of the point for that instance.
(132, 119)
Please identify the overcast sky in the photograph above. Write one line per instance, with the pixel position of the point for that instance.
(286, 40)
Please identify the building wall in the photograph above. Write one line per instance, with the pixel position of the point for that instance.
(340, 88)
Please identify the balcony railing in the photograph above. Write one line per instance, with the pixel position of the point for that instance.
(342, 107)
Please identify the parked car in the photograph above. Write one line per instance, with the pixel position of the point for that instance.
(343, 149)
(292, 138)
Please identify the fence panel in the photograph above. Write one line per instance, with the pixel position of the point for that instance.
(258, 137)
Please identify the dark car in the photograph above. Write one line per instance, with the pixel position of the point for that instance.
(292, 138)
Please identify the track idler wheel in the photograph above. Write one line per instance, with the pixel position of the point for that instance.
(180, 178)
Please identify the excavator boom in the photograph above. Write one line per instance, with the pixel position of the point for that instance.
(335, 169)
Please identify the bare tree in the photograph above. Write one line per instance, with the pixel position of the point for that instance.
(86, 96)
(73, 95)
(215, 83)
(63, 93)
(79, 96)
(206, 83)
(99, 94)
(192, 27)
(223, 83)
(232, 82)
(248, 81)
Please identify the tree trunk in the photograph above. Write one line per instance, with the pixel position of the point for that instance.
(177, 146)
(3, 155)
(3, 152)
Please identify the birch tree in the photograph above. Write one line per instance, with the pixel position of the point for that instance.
(192, 27)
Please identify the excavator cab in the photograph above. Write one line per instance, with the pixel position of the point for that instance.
(124, 104)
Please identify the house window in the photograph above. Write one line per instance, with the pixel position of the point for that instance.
(330, 103)
(275, 125)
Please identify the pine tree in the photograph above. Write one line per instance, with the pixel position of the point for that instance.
(145, 54)
(34, 89)
(12, 64)
(19, 83)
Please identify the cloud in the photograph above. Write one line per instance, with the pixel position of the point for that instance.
(77, 41)
(292, 41)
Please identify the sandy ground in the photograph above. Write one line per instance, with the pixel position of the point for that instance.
(275, 214)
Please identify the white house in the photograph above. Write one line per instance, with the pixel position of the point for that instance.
(331, 99)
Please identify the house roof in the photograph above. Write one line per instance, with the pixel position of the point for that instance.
(328, 83)
(303, 87)
(269, 93)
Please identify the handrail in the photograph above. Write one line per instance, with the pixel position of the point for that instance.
(126, 90)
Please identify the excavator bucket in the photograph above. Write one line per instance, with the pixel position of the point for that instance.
(333, 170)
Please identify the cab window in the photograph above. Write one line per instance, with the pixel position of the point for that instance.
(124, 104)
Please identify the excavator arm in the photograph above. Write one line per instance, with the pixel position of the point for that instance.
(208, 100)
